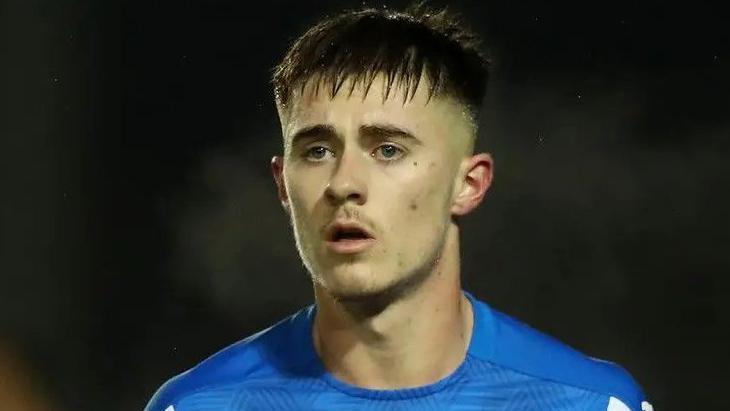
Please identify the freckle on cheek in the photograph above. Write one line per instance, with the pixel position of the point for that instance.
(415, 163)
(414, 206)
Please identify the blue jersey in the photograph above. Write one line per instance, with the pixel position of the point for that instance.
(508, 366)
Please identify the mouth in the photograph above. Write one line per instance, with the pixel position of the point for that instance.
(348, 238)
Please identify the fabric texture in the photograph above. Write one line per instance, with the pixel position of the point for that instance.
(508, 366)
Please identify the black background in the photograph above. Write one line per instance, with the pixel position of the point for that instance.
(141, 230)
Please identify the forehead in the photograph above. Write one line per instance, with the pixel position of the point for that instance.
(423, 116)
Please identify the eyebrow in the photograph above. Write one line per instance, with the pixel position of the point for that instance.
(313, 132)
(384, 130)
(375, 130)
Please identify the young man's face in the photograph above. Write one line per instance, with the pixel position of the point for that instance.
(353, 168)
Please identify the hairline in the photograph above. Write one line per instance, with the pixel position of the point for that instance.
(471, 127)
(285, 110)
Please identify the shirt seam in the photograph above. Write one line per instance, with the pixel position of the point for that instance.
(377, 396)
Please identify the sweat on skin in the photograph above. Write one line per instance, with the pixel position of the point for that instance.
(403, 170)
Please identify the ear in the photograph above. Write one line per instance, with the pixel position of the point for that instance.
(277, 169)
(476, 177)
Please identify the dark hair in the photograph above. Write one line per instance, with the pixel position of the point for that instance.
(361, 44)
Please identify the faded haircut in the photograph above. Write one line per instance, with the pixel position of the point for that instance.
(401, 45)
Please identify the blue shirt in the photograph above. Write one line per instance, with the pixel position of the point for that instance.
(508, 366)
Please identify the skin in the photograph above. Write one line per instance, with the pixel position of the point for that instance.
(380, 313)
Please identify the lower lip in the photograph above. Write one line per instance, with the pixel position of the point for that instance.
(350, 246)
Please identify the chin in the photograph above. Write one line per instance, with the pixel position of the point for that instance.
(354, 294)
(353, 284)
(355, 291)
(365, 302)
(353, 288)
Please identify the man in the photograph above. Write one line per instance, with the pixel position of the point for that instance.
(378, 112)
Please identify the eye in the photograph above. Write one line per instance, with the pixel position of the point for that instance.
(389, 151)
(318, 150)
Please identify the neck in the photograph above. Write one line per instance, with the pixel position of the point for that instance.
(386, 348)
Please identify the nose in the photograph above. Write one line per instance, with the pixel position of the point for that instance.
(349, 179)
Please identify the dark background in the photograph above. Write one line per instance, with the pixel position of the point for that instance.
(141, 230)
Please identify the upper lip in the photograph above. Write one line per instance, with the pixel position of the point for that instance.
(339, 225)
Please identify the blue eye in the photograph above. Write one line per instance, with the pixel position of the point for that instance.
(390, 151)
(315, 149)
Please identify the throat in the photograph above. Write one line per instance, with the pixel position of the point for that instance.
(387, 351)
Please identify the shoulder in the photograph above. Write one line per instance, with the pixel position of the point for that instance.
(526, 350)
(263, 353)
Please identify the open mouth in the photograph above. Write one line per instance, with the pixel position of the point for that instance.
(349, 240)
(349, 234)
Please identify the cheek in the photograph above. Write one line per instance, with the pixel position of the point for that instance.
(302, 200)
(303, 192)
(424, 197)
(421, 204)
